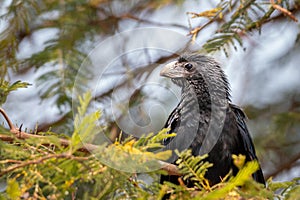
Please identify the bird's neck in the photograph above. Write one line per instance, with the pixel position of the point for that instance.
(200, 93)
(197, 93)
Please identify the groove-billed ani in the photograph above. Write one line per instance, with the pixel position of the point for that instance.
(205, 121)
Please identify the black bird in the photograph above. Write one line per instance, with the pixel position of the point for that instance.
(205, 120)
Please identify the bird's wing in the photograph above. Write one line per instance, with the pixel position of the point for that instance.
(243, 130)
(172, 123)
(247, 141)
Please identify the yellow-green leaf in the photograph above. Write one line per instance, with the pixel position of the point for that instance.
(13, 189)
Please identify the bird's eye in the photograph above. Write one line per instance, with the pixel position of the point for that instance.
(188, 66)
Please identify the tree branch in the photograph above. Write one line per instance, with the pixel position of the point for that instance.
(136, 73)
(285, 166)
(87, 148)
(19, 134)
(257, 24)
(132, 17)
(38, 161)
(10, 124)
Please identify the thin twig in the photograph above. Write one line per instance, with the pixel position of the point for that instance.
(10, 124)
(132, 17)
(170, 168)
(23, 135)
(284, 166)
(87, 148)
(254, 25)
(38, 161)
(283, 10)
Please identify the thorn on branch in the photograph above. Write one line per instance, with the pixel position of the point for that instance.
(20, 129)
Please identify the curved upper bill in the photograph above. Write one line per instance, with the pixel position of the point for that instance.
(172, 70)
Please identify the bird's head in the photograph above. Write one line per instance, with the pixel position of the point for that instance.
(197, 70)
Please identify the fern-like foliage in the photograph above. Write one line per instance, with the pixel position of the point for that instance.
(61, 56)
(194, 168)
(232, 187)
(18, 17)
(232, 31)
(30, 169)
(44, 169)
(236, 19)
(6, 88)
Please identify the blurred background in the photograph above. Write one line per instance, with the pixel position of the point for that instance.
(117, 48)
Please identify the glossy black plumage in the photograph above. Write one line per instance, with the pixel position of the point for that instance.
(205, 120)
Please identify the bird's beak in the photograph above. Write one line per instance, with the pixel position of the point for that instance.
(171, 70)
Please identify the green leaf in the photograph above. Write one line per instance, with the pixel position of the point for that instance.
(85, 127)
(293, 193)
(18, 84)
(13, 189)
(164, 155)
(193, 168)
(6, 88)
(239, 180)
